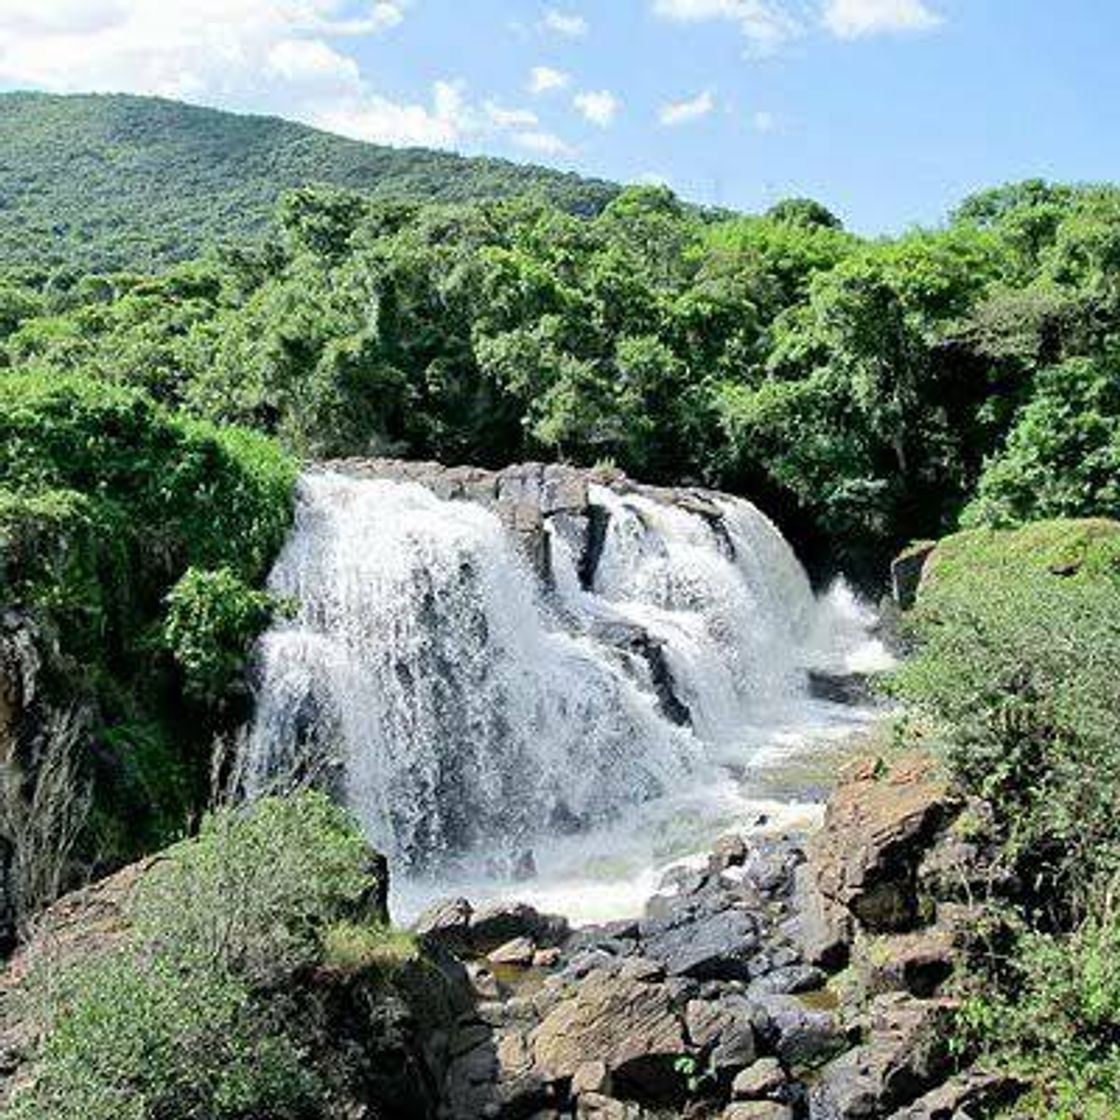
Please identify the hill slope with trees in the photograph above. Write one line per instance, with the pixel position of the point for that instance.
(114, 181)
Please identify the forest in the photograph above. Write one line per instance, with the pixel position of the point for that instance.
(958, 382)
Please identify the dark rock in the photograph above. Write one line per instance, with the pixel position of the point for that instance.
(906, 1053)
(906, 573)
(802, 1036)
(500, 922)
(970, 1093)
(853, 689)
(703, 946)
(788, 980)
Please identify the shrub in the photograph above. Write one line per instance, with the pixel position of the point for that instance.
(254, 891)
(212, 617)
(149, 1041)
(1019, 638)
(190, 1014)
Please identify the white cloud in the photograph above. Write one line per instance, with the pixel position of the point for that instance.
(598, 106)
(564, 24)
(763, 121)
(280, 56)
(851, 19)
(443, 124)
(543, 143)
(543, 79)
(510, 118)
(766, 24)
(691, 109)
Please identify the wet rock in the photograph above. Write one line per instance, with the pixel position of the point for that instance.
(520, 951)
(905, 1054)
(694, 942)
(853, 689)
(764, 1079)
(500, 922)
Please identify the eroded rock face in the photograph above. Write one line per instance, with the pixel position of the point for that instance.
(880, 821)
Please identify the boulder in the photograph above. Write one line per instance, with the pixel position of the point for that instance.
(822, 928)
(520, 951)
(500, 922)
(969, 1091)
(802, 1036)
(918, 963)
(446, 923)
(764, 1080)
(905, 1054)
(596, 1106)
(696, 940)
(879, 823)
(632, 1026)
(757, 1110)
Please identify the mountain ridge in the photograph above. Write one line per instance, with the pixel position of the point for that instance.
(102, 182)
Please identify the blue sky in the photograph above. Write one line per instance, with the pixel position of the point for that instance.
(888, 111)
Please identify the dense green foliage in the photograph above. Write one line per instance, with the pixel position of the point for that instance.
(186, 1017)
(106, 500)
(864, 391)
(212, 617)
(1019, 656)
(150, 182)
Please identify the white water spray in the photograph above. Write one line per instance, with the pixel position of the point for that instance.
(464, 707)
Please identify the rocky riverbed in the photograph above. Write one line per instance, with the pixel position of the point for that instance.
(793, 976)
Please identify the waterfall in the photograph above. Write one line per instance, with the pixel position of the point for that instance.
(457, 700)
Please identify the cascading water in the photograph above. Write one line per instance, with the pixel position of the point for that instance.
(463, 705)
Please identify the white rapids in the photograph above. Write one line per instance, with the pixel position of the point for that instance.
(469, 715)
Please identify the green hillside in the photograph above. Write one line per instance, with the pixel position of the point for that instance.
(112, 181)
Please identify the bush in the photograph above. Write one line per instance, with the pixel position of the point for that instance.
(212, 617)
(149, 1041)
(1018, 659)
(1019, 636)
(254, 891)
(187, 1016)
